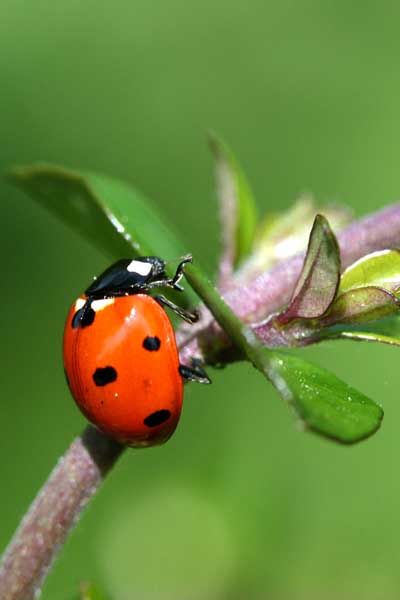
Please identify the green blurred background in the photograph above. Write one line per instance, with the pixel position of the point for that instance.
(238, 504)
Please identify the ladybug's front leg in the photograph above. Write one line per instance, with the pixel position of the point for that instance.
(190, 317)
(179, 272)
(172, 282)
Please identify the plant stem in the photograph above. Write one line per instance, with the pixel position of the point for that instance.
(54, 512)
(240, 334)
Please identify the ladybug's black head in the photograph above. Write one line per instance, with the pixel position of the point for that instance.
(128, 276)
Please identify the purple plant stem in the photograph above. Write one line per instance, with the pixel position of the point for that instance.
(54, 512)
(81, 470)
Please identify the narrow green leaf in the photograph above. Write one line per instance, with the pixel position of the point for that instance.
(110, 214)
(237, 205)
(365, 336)
(380, 269)
(319, 280)
(325, 404)
(384, 331)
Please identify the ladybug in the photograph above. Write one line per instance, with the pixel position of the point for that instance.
(120, 355)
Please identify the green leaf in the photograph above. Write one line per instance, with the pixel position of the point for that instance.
(384, 331)
(367, 290)
(88, 591)
(362, 304)
(380, 269)
(324, 403)
(319, 280)
(110, 214)
(237, 205)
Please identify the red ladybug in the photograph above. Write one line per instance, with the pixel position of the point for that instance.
(120, 355)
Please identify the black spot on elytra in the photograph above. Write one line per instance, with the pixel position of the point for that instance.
(104, 375)
(156, 418)
(151, 343)
(83, 317)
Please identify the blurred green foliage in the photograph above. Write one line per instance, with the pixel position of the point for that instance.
(237, 504)
(89, 591)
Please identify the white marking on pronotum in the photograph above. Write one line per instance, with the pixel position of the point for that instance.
(100, 304)
(142, 268)
(80, 303)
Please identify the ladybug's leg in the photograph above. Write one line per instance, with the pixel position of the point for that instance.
(184, 314)
(174, 281)
(179, 272)
(194, 373)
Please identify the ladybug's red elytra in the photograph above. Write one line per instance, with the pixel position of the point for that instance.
(120, 355)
